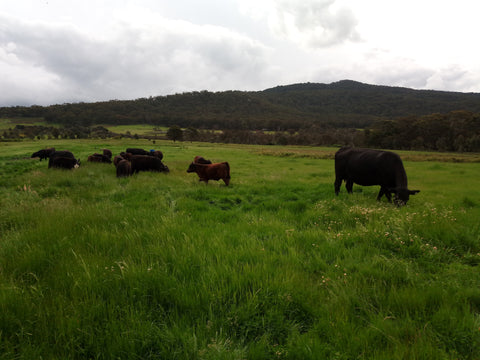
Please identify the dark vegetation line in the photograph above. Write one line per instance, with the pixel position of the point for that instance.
(342, 113)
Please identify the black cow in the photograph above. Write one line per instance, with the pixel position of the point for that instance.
(62, 162)
(368, 167)
(146, 163)
(63, 154)
(44, 153)
(136, 151)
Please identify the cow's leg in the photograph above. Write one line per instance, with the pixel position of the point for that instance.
(380, 193)
(384, 191)
(388, 194)
(338, 183)
(349, 186)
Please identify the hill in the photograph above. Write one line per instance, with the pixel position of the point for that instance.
(341, 104)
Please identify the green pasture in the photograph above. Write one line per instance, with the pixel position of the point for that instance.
(11, 123)
(138, 129)
(274, 266)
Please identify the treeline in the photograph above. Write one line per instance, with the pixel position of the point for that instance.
(456, 131)
(53, 132)
(344, 104)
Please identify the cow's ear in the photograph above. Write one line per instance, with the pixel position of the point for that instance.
(413, 192)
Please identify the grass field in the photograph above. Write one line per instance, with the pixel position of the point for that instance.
(160, 266)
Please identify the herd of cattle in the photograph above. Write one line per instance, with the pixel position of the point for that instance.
(364, 167)
(134, 160)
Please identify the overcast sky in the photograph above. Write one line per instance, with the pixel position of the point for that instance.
(58, 51)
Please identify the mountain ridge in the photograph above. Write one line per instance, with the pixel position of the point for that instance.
(345, 103)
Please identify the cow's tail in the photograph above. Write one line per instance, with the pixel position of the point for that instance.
(228, 169)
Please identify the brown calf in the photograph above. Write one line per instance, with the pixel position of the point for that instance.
(211, 171)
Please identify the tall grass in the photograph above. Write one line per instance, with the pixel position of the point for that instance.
(272, 267)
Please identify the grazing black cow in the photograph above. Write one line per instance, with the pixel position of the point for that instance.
(201, 160)
(44, 153)
(63, 153)
(99, 158)
(368, 167)
(61, 162)
(215, 171)
(136, 151)
(124, 168)
(146, 163)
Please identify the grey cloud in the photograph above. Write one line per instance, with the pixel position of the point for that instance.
(134, 61)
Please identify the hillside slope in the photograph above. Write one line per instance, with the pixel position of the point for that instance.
(341, 104)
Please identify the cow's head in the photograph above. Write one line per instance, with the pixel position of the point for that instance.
(192, 168)
(402, 195)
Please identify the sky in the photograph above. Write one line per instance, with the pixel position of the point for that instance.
(66, 51)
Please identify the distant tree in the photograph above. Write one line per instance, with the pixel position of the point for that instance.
(191, 134)
(175, 133)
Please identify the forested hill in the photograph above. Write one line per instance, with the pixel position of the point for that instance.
(341, 104)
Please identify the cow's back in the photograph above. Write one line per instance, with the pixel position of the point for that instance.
(369, 167)
(59, 154)
(146, 163)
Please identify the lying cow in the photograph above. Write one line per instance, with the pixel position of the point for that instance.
(156, 153)
(61, 162)
(107, 153)
(201, 160)
(43, 154)
(215, 171)
(146, 163)
(124, 168)
(99, 158)
(368, 167)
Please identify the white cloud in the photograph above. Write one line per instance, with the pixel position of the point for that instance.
(57, 51)
(311, 23)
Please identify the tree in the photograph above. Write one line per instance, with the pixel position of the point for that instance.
(191, 134)
(175, 133)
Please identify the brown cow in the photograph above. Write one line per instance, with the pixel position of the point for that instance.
(117, 159)
(201, 160)
(215, 171)
(156, 153)
(124, 168)
(99, 158)
(107, 152)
